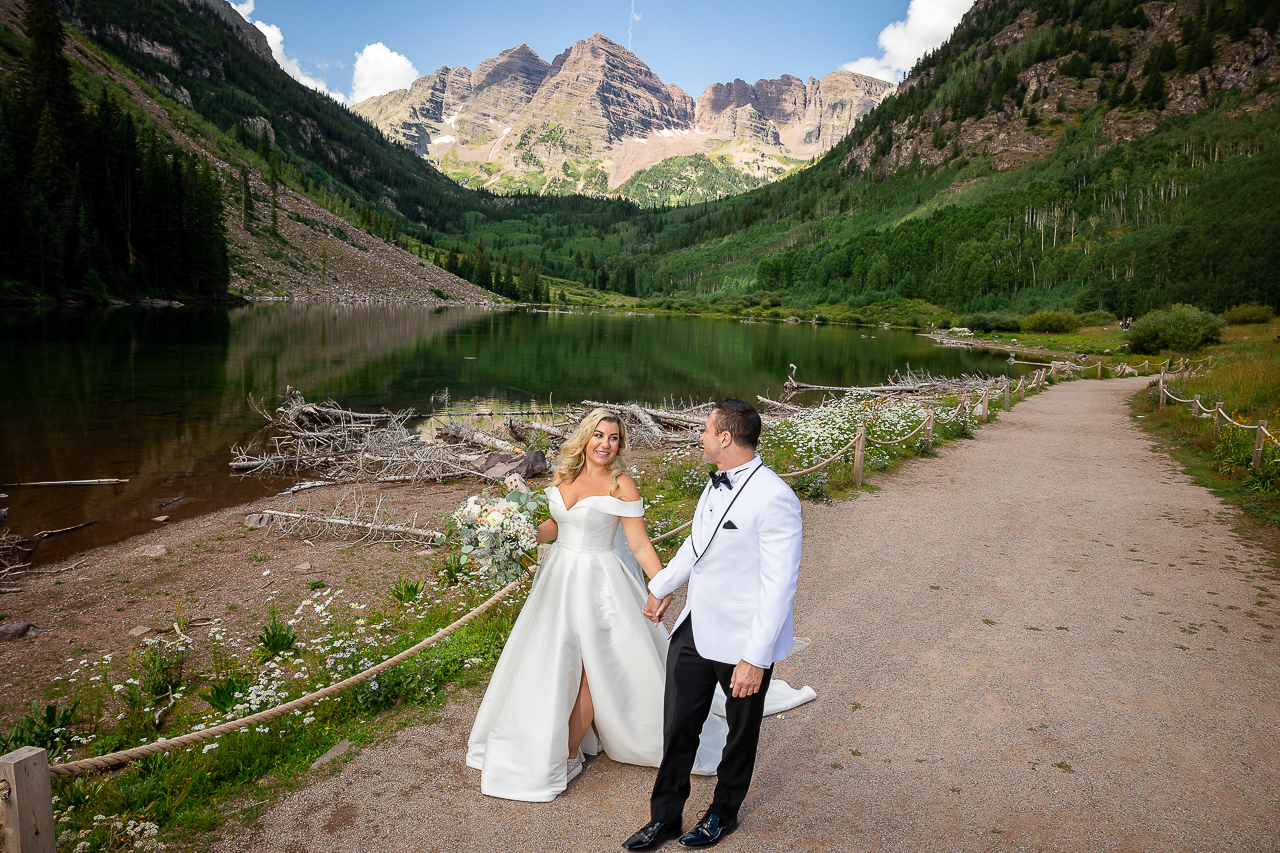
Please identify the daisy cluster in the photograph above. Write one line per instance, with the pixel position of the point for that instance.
(107, 833)
(815, 434)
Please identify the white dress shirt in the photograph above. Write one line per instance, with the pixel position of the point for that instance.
(719, 498)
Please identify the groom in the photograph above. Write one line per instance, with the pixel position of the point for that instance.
(741, 562)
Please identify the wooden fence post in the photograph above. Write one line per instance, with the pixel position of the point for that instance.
(26, 802)
(1258, 441)
(859, 451)
(1162, 388)
(1006, 394)
(1195, 406)
(1217, 418)
(1099, 368)
(1022, 388)
(928, 430)
(986, 405)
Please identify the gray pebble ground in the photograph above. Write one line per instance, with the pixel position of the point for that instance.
(1047, 638)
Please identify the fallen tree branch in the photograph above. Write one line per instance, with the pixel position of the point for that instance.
(46, 533)
(397, 529)
(785, 407)
(67, 483)
(459, 432)
(520, 429)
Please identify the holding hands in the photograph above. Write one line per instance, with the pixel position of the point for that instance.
(746, 677)
(655, 608)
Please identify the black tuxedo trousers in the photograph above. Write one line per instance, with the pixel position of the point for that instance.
(691, 686)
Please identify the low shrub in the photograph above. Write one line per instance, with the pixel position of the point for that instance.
(1098, 318)
(993, 322)
(1056, 322)
(1250, 313)
(1181, 328)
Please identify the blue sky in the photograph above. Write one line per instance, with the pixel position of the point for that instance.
(354, 50)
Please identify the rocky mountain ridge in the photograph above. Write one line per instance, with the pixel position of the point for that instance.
(1033, 87)
(596, 115)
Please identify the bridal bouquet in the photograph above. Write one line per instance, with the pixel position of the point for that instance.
(497, 535)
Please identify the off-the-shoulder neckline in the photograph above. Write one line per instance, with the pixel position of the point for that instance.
(586, 498)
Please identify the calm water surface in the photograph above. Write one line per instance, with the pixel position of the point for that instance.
(159, 395)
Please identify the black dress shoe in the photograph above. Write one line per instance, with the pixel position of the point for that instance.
(709, 831)
(652, 835)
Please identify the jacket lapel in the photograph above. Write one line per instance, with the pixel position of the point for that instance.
(695, 534)
(737, 492)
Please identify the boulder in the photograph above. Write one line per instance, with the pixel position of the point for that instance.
(149, 551)
(500, 464)
(334, 751)
(16, 630)
(141, 631)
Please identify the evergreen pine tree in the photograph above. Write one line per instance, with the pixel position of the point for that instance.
(1153, 94)
(45, 79)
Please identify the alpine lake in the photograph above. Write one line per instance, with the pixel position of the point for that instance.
(159, 395)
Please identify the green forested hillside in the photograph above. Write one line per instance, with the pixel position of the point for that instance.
(685, 180)
(93, 204)
(1053, 153)
(1157, 184)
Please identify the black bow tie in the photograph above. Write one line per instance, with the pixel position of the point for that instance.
(720, 478)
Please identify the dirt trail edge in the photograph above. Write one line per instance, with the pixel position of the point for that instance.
(1046, 639)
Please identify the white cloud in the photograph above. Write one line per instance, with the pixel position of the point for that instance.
(927, 25)
(379, 69)
(275, 38)
(245, 9)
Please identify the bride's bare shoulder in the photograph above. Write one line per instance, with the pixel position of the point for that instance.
(626, 489)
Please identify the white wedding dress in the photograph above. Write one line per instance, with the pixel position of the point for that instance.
(584, 613)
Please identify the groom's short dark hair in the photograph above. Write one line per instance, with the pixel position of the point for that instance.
(740, 419)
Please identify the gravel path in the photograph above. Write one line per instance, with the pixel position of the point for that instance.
(1046, 639)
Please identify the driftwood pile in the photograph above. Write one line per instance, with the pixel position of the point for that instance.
(912, 383)
(339, 446)
(336, 445)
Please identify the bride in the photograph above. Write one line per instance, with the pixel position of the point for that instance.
(583, 671)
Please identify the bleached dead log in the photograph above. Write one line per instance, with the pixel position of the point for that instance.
(678, 420)
(68, 483)
(459, 432)
(520, 429)
(782, 407)
(326, 521)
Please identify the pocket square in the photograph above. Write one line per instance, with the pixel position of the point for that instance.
(729, 525)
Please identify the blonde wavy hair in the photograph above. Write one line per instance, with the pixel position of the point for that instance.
(573, 453)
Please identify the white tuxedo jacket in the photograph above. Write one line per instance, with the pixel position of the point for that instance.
(741, 586)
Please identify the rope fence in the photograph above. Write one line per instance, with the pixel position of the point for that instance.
(26, 806)
(1219, 415)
